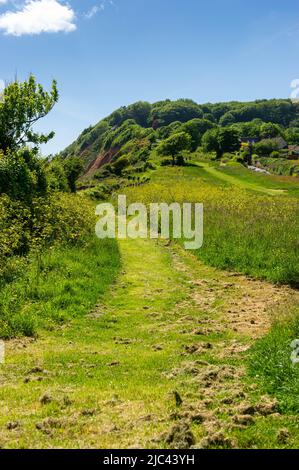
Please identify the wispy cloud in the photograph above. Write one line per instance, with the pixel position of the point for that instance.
(94, 11)
(38, 16)
(98, 8)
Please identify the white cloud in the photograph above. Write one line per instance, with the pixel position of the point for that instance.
(38, 16)
(94, 10)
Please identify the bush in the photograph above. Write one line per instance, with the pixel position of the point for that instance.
(226, 157)
(56, 177)
(58, 219)
(120, 164)
(275, 154)
(22, 176)
(265, 147)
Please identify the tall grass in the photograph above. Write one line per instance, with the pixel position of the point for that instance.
(243, 231)
(63, 283)
(256, 235)
(270, 363)
(52, 266)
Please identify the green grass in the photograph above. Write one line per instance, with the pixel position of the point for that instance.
(270, 363)
(244, 230)
(110, 375)
(288, 185)
(137, 314)
(239, 176)
(110, 359)
(60, 284)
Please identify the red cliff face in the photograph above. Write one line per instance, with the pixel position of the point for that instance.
(101, 160)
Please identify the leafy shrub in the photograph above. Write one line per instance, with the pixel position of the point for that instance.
(275, 154)
(265, 147)
(226, 157)
(56, 176)
(120, 164)
(60, 218)
(22, 175)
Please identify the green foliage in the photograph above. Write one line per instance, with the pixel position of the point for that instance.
(120, 164)
(166, 112)
(250, 129)
(162, 119)
(22, 176)
(265, 147)
(73, 167)
(291, 135)
(270, 363)
(269, 130)
(57, 219)
(281, 112)
(139, 112)
(275, 154)
(136, 150)
(210, 141)
(166, 131)
(174, 145)
(228, 140)
(196, 129)
(56, 176)
(129, 130)
(279, 166)
(21, 106)
(57, 285)
(221, 140)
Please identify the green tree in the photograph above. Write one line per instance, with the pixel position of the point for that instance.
(174, 145)
(22, 176)
(140, 112)
(22, 104)
(265, 147)
(291, 135)
(229, 140)
(120, 164)
(56, 176)
(166, 112)
(73, 167)
(196, 129)
(221, 140)
(269, 130)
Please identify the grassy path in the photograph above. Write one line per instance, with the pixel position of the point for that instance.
(238, 182)
(159, 363)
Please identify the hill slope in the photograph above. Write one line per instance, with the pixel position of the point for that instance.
(134, 131)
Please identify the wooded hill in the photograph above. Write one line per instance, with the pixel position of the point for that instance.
(132, 131)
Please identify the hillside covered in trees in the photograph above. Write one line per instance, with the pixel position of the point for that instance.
(122, 142)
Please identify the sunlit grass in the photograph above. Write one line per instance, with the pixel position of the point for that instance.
(62, 283)
(243, 230)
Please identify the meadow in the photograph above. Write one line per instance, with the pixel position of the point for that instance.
(65, 272)
(138, 343)
(244, 231)
(269, 361)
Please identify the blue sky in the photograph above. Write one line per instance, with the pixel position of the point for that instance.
(105, 54)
